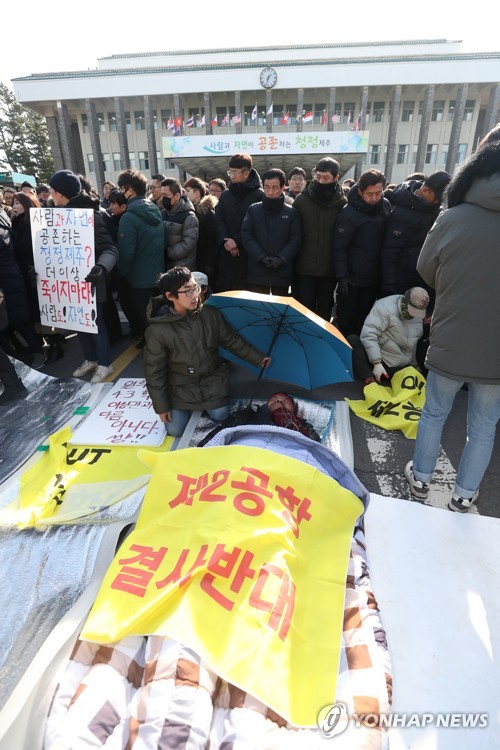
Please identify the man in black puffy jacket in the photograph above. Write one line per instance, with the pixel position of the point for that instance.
(416, 205)
(271, 235)
(357, 243)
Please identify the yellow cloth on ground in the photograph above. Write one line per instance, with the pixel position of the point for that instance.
(69, 482)
(241, 554)
(394, 407)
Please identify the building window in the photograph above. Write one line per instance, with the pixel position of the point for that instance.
(337, 111)
(131, 160)
(319, 114)
(278, 114)
(166, 115)
(292, 111)
(444, 155)
(437, 110)
(85, 124)
(414, 155)
(112, 125)
(143, 160)
(100, 122)
(469, 110)
(403, 150)
(117, 162)
(128, 121)
(90, 160)
(378, 112)
(461, 153)
(140, 123)
(247, 116)
(155, 120)
(420, 111)
(106, 162)
(408, 110)
(431, 153)
(451, 110)
(348, 112)
(374, 154)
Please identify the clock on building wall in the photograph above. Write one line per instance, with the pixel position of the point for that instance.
(268, 78)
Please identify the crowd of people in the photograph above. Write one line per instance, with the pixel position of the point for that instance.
(379, 261)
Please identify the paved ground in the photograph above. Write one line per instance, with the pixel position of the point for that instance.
(379, 456)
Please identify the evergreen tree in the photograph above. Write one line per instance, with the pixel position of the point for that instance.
(24, 139)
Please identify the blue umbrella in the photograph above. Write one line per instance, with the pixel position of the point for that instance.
(306, 351)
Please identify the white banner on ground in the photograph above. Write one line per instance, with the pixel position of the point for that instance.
(63, 250)
(124, 416)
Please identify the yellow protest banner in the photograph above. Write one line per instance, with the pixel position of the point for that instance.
(70, 482)
(241, 554)
(394, 407)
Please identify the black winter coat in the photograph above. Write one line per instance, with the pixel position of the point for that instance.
(273, 230)
(106, 252)
(23, 250)
(229, 214)
(408, 225)
(11, 278)
(357, 240)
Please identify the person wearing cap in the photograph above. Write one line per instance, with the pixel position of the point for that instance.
(460, 260)
(202, 281)
(389, 337)
(66, 191)
(415, 207)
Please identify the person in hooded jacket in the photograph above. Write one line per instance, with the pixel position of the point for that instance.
(271, 234)
(141, 239)
(460, 259)
(244, 188)
(319, 205)
(183, 368)
(415, 207)
(181, 226)
(357, 243)
(66, 191)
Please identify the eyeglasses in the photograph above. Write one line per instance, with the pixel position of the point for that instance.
(230, 172)
(191, 291)
(124, 189)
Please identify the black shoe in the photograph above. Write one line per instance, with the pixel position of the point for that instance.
(55, 350)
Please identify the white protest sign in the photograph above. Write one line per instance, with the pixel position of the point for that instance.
(124, 416)
(63, 250)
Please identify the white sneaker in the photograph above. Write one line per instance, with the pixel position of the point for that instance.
(84, 368)
(101, 373)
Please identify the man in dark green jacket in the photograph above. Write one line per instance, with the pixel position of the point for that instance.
(141, 241)
(318, 205)
(183, 369)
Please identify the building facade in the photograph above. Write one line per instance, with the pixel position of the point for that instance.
(420, 106)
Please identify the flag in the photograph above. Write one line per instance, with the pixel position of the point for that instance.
(236, 119)
(358, 123)
(254, 113)
(323, 118)
(335, 118)
(349, 116)
(225, 120)
(213, 121)
(190, 122)
(298, 117)
(285, 118)
(170, 124)
(270, 110)
(308, 117)
(202, 121)
(178, 122)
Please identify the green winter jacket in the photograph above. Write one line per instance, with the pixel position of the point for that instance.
(141, 240)
(181, 358)
(315, 257)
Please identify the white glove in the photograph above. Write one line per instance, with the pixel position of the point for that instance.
(379, 372)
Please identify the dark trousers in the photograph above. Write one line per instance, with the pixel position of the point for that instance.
(8, 374)
(133, 302)
(316, 293)
(361, 365)
(353, 308)
(276, 289)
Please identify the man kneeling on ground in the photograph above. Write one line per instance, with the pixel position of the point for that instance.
(389, 336)
(183, 369)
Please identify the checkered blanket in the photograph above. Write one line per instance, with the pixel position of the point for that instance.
(149, 693)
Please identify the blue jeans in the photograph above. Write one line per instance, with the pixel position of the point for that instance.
(483, 413)
(96, 347)
(180, 418)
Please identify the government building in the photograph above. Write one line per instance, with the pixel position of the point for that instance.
(401, 107)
